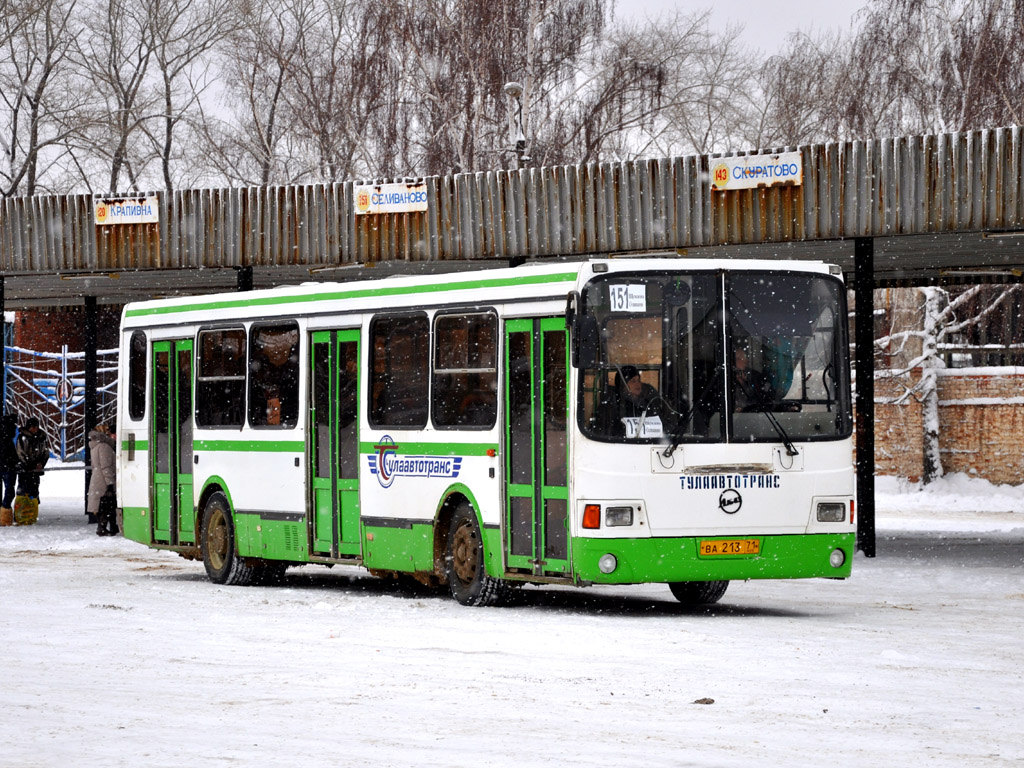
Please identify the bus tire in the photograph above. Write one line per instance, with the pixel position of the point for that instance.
(223, 565)
(464, 562)
(698, 592)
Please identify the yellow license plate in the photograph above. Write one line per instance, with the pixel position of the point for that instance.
(719, 547)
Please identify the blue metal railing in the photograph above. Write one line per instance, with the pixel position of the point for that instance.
(51, 387)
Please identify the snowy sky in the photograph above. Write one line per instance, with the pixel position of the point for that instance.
(766, 22)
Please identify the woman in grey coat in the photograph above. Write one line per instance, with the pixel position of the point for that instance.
(101, 456)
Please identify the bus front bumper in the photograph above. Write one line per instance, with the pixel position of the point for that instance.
(638, 561)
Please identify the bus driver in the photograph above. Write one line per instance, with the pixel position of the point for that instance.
(635, 406)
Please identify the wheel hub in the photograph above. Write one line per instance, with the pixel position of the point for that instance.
(217, 539)
(464, 554)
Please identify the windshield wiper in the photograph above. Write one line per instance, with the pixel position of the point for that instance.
(790, 448)
(826, 375)
(677, 433)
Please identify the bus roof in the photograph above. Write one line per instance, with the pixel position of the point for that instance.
(534, 281)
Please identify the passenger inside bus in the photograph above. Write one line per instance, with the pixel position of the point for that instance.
(479, 404)
(631, 408)
(274, 377)
(751, 389)
(273, 409)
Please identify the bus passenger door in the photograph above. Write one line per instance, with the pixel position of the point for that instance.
(536, 526)
(334, 443)
(173, 502)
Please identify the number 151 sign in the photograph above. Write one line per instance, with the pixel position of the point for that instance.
(627, 298)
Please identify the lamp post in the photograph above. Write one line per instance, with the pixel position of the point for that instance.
(514, 91)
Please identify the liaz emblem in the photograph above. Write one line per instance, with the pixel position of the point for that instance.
(730, 501)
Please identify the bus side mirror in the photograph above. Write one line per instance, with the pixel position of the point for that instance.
(585, 334)
(586, 343)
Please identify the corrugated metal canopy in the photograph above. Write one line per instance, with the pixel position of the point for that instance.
(939, 208)
(904, 260)
(907, 259)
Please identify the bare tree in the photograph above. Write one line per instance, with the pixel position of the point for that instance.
(259, 144)
(462, 53)
(796, 88)
(945, 315)
(38, 99)
(116, 51)
(914, 66)
(566, 56)
(669, 86)
(954, 64)
(680, 86)
(343, 98)
(184, 33)
(612, 106)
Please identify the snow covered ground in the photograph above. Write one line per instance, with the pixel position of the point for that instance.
(114, 655)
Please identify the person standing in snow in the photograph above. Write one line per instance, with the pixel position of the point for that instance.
(33, 453)
(101, 484)
(8, 466)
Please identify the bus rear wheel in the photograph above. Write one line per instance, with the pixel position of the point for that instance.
(464, 564)
(698, 592)
(223, 565)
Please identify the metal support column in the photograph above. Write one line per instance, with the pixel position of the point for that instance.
(864, 365)
(3, 351)
(90, 386)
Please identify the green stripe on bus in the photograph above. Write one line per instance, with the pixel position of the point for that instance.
(357, 293)
(140, 445)
(251, 446)
(436, 449)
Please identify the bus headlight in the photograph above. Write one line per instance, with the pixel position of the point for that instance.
(618, 516)
(831, 512)
(837, 558)
(607, 563)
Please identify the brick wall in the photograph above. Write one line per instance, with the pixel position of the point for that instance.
(898, 429)
(46, 330)
(981, 425)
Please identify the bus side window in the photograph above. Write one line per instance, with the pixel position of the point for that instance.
(399, 372)
(137, 376)
(220, 378)
(465, 392)
(274, 375)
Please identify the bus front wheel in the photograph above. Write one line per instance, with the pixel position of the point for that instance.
(698, 592)
(223, 565)
(464, 564)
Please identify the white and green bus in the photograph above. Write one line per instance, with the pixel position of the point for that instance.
(612, 421)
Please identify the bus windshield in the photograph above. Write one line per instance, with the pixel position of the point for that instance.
(713, 357)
